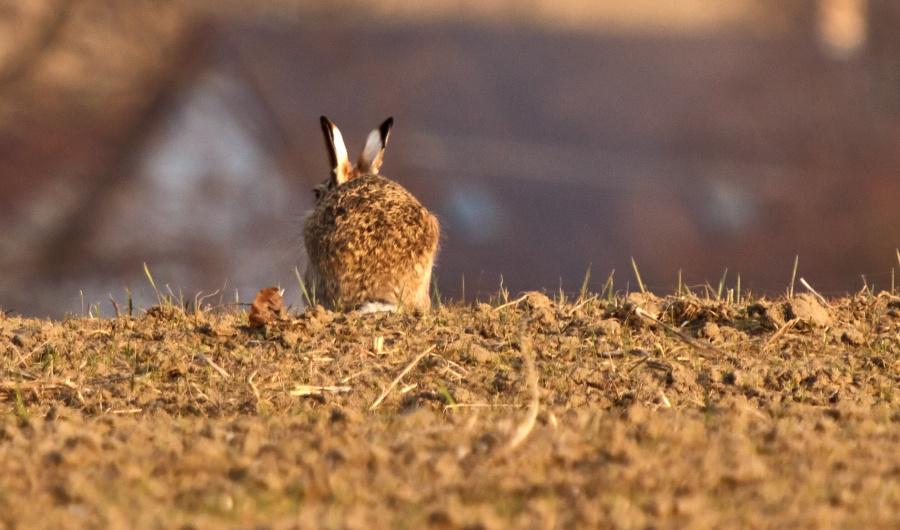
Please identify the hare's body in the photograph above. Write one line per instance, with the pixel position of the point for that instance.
(370, 243)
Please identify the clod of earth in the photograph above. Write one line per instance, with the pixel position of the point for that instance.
(808, 309)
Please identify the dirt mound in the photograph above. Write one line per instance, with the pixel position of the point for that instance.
(753, 414)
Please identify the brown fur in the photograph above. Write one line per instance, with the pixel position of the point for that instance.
(369, 240)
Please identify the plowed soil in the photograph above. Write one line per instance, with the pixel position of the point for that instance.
(766, 413)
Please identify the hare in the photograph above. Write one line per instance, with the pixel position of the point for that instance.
(370, 243)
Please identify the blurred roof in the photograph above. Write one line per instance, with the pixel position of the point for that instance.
(602, 98)
(78, 78)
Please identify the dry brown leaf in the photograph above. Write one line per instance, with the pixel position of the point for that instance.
(266, 307)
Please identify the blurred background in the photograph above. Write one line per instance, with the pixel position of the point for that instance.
(550, 137)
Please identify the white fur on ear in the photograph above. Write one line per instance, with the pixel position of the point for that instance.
(373, 154)
(337, 152)
(371, 157)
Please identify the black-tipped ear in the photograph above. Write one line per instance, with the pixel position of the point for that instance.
(385, 130)
(373, 153)
(329, 141)
(337, 152)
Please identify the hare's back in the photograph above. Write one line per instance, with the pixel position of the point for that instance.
(376, 218)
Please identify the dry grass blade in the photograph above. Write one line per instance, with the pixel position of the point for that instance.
(213, 365)
(22, 358)
(253, 387)
(24, 374)
(781, 331)
(819, 297)
(517, 301)
(659, 366)
(399, 377)
(637, 274)
(13, 387)
(525, 428)
(690, 341)
(581, 304)
(793, 276)
(665, 399)
(477, 405)
(10, 386)
(308, 390)
(638, 364)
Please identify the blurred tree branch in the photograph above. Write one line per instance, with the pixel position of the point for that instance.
(29, 54)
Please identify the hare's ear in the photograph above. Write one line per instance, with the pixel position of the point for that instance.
(341, 170)
(373, 154)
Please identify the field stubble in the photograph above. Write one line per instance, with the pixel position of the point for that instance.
(195, 420)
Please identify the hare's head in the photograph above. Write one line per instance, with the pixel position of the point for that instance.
(341, 169)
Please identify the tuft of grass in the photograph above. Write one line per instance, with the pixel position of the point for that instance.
(435, 292)
(687, 290)
(561, 297)
(504, 292)
(130, 301)
(115, 306)
(868, 289)
(310, 300)
(721, 286)
(449, 402)
(180, 298)
(584, 285)
(21, 408)
(200, 298)
(609, 288)
(159, 297)
(637, 275)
